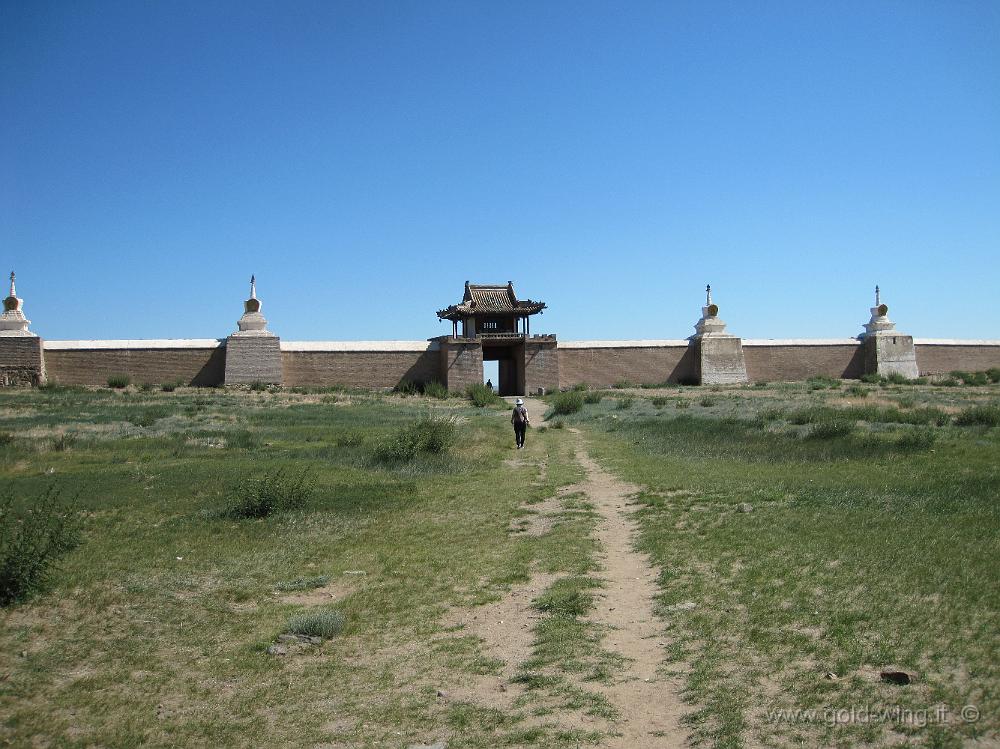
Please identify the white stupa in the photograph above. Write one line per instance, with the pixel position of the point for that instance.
(13, 323)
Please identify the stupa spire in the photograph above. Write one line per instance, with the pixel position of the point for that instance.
(708, 294)
(878, 296)
(13, 291)
(12, 321)
(253, 286)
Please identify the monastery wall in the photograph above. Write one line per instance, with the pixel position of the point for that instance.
(604, 363)
(188, 361)
(363, 364)
(384, 364)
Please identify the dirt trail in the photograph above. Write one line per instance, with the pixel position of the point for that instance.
(646, 693)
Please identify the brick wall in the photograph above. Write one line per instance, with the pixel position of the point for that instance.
(604, 366)
(943, 358)
(461, 364)
(541, 367)
(364, 369)
(21, 361)
(253, 358)
(799, 361)
(80, 366)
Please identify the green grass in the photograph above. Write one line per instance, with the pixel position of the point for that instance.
(869, 546)
(872, 543)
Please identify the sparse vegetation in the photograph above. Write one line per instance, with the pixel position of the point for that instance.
(483, 397)
(264, 495)
(34, 534)
(428, 435)
(565, 403)
(325, 623)
(435, 389)
(119, 382)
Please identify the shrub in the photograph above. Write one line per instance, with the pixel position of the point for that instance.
(482, 396)
(558, 424)
(6, 438)
(169, 387)
(916, 439)
(593, 397)
(993, 374)
(897, 379)
(948, 382)
(435, 389)
(622, 384)
(566, 403)
(63, 442)
(147, 387)
(319, 623)
(429, 435)
(265, 495)
(625, 402)
(579, 387)
(857, 391)
(872, 378)
(682, 404)
(257, 386)
(827, 430)
(349, 439)
(659, 401)
(408, 387)
(119, 381)
(31, 541)
(979, 416)
(707, 402)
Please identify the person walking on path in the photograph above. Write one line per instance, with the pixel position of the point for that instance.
(520, 421)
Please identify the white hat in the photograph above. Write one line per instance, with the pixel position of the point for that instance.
(519, 402)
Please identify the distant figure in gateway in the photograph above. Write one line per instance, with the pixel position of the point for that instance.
(489, 384)
(520, 421)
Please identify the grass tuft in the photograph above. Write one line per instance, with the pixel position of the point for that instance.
(566, 403)
(323, 623)
(265, 495)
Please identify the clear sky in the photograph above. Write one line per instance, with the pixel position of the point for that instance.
(365, 158)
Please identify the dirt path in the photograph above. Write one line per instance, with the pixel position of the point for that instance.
(646, 693)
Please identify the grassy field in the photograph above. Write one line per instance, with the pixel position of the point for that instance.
(809, 537)
(806, 537)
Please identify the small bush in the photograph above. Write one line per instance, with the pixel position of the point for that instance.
(566, 403)
(168, 387)
(429, 435)
(407, 387)
(916, 439)
(558, 424)
(119, 381)
(948, 382)
(6, 438)
(682, 404)
(324, 623)
(265, 495)
(993, 374)
(897, 379)
(857, 391)
(257, 386)
(349, 439)
(435, 389)
(147, 387)
(988, 416)
(622, 384)
(31, 541)
(707, 402)
(482, 396)
(872, 378)
(624, 403)
(63, 442)
(660, 401)
(828, 430)
(593, 397)
(579, 387)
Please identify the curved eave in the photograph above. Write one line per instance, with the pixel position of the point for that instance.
(461, 312)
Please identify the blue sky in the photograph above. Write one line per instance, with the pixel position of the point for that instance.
(364, 159)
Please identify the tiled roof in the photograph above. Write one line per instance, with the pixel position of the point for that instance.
(487, 299)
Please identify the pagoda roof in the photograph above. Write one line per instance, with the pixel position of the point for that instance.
(490, 299)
